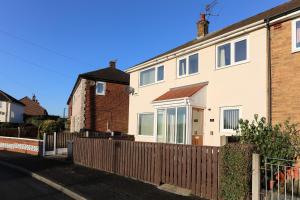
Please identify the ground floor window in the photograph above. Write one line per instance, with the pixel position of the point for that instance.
(146, 124)
(230, 117)
(171, 125)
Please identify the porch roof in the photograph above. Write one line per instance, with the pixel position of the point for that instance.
(181, 92)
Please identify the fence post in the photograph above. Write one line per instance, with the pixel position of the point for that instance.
(54, 145)
(19, 132)
(87, 134)
(255, 177)
(158, 162)
(44, 144)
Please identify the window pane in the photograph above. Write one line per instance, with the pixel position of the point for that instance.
(193, 64)
(298, 34)
(100, 88)
(181, 125)
(171, 112)
(146, 124)
(240, 51)
(182, 67)
(160, 126)
(224, 55)
(231, 119)
(147, 76)
(160, 73)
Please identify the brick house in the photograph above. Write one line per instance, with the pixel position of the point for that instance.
(284, 64)
(99, 101)
(33, 107)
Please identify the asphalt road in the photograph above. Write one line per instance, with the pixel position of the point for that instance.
(17, 186)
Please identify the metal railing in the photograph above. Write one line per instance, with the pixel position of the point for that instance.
(281, 179)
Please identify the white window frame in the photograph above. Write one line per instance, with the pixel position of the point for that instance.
(185, 136)
(138, 123)
(294, 46)
(232, 52)
(186, 57)
(155, 76)
(222, 109)
(104, 88)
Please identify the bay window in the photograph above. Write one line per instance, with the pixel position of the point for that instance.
(188, 65)
(296, 35)
(152, 75)
(230, 117)
(145, 124)
(232, 53)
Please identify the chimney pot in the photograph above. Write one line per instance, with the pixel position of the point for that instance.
(112, 63)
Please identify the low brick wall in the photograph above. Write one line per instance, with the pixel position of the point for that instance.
(21, 145)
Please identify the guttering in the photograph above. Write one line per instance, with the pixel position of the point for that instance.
(201, 45)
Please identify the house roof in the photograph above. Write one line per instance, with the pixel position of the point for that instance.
(181, 92)
(6, 97)
(271, 13)
(108, 74)
(33, 108)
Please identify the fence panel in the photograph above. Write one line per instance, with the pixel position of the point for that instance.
(191, 167)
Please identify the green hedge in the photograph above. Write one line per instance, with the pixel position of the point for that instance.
(236, 171)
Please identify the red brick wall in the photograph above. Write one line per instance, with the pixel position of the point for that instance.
(285, 75)
(21, 145)
(112, 108)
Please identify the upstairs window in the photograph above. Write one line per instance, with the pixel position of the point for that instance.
(152, 75)
(188, 65)
(296, 35)
(232, 53)
(100, 88)
(0, 104)
(160, 73)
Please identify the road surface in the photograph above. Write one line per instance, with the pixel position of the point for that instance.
(17, 186)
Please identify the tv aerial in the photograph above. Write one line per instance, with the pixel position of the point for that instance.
(209, 9)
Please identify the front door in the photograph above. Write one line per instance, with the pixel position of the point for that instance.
(197, 126)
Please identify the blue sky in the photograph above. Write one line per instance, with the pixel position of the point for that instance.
(44, 45)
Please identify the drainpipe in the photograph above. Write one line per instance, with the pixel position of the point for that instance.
(269, 71)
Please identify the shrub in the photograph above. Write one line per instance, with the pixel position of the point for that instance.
(49, 126)
(236, 171)
(278, 141)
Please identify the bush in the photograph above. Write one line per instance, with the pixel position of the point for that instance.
(236, 171)
(49, 126)
(278, 141)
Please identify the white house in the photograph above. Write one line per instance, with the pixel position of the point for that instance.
(11, 109)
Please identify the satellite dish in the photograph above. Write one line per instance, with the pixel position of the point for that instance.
(129, 90)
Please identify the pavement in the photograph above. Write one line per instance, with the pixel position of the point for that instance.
(17, 186)
(89, 183)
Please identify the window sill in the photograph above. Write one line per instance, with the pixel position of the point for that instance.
(233, 65)
(296, 50)
(189, 75)
(158, 82)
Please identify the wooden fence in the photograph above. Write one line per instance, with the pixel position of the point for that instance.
(23, 132)
(192, 167)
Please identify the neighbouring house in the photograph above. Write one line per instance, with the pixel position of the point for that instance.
(197, 92)
(11, 109)
(100, 101)
(33, 107)
(285, 65)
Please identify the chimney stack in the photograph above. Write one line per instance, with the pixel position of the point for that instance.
(202, 26)
(113, 63)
